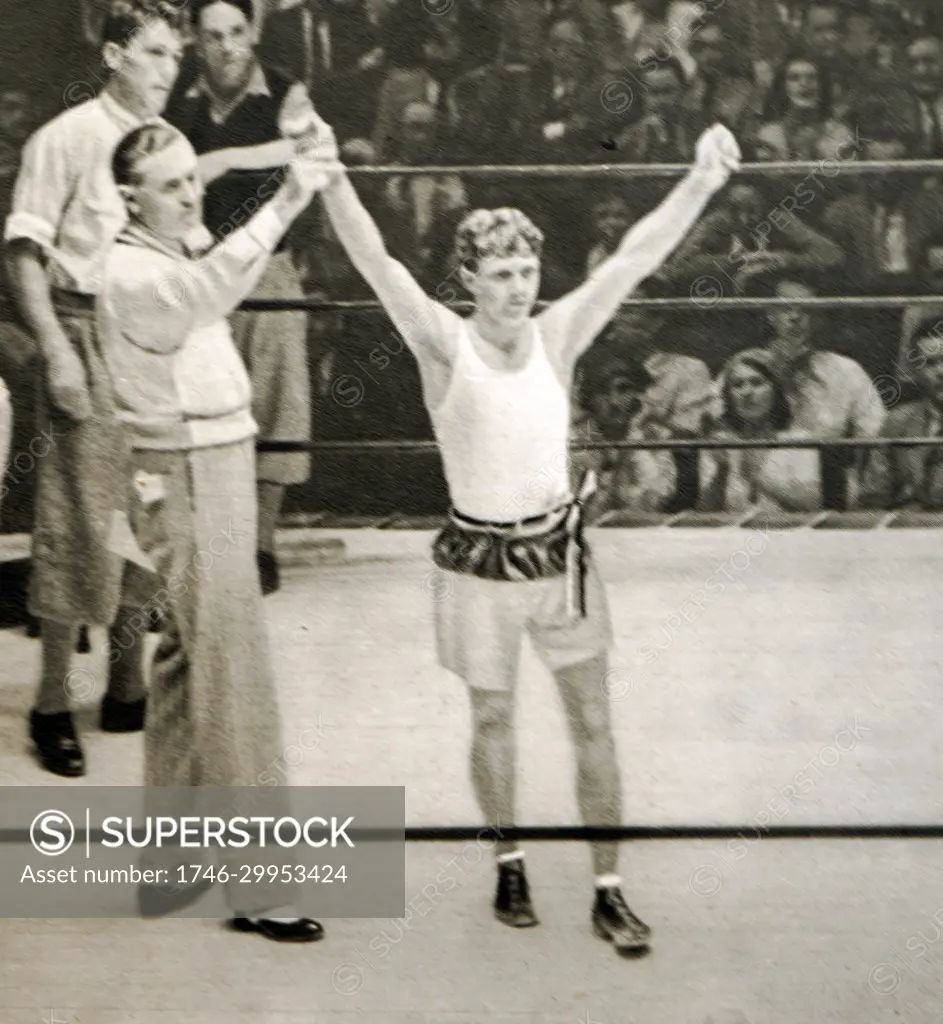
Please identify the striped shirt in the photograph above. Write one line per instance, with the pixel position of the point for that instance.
(65, 199)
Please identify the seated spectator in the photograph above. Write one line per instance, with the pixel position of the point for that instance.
(421, 211)
(823, 35)
(886, 225)
(672, 395)
(610, 218)
(737, 242)
(627, 480)
(753, 405)
(465, 36)
(898, 478)
(523, 32)
(771, 29)
(924, 65)
(722, 87)
(407, 38)
(904, 382)
(530, 114)
(314, 41)
(641, 29)
(665, 133)
(873, 41)
(892, 237)
(798, 121)
(830, 395)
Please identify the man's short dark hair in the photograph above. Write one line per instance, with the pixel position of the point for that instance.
(653, 62)
(126, 18)
(154, 137)
(199, 6)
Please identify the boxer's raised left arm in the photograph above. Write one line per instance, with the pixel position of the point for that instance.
(572, 323)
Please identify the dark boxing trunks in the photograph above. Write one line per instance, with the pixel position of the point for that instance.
(543, 547)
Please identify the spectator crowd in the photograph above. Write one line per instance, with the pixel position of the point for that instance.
(563, 82)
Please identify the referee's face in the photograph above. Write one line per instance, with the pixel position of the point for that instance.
(168, 195)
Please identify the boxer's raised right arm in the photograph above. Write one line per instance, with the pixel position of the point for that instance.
(422, 322)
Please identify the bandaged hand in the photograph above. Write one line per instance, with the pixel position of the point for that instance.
(717, 156)
(317, 159)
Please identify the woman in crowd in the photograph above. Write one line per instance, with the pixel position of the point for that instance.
(800, 123)
(753, 406)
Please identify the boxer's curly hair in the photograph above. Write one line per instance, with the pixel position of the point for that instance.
(495, 233)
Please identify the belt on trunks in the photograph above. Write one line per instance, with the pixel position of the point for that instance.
(501, 551)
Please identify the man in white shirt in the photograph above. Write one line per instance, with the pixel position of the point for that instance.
(66, 212)
(830, 395)
(183, 394)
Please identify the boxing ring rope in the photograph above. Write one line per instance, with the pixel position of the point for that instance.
(680, 303)
(774, 168)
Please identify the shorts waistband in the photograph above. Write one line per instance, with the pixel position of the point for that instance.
(532, 524)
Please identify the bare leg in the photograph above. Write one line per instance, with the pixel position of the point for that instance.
(493, 759)
(599, 788)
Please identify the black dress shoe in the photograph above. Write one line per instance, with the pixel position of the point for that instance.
(512, 904)
(269, 576)
(122, 716)
(301, 930)
(56, 743)
(161, 900)
(614, 922)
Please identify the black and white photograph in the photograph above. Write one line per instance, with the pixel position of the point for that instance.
(471, 511)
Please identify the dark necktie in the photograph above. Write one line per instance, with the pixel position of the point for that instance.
(936, 135)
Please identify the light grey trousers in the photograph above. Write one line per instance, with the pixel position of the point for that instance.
(212, 717)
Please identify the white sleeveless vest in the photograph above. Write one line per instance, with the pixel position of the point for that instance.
(504, 436)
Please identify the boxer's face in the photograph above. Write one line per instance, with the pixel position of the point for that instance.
(167, 197)
(224, 40)
(505, 287)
